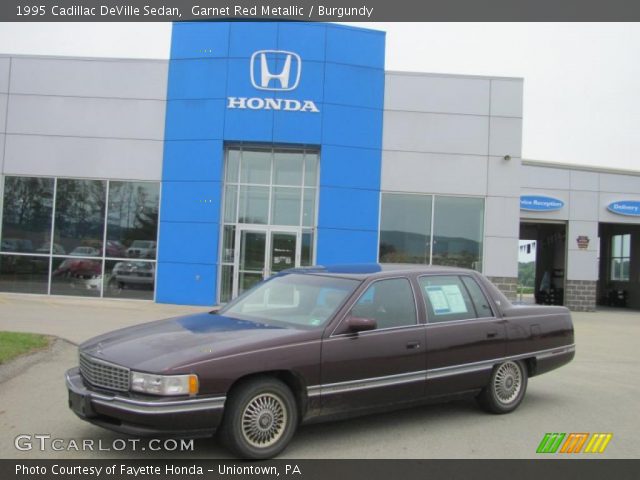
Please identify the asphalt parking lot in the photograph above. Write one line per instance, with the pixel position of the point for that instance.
(598, 392)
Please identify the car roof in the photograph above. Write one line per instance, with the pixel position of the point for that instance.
(361, 271)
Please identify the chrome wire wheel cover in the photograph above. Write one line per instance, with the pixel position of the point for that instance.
(507, 382)
(264, 420)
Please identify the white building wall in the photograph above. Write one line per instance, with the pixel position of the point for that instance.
(96, 118)
(448, 134)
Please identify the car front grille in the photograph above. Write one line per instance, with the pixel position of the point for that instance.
(104, 374)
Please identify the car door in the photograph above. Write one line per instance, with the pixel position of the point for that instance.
(463, 334)
(381, 366)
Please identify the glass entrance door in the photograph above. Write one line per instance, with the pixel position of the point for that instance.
(283, 251)
(251, 261)
(263, 252)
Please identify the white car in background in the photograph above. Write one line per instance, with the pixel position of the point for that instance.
(85, 252)
(132, 274)
(142, 249)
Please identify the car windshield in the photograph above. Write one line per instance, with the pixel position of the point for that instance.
(292, 300)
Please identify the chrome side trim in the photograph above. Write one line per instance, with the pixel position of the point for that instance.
(366, 383)
(423, 375)
(149, 407)
(459, 370)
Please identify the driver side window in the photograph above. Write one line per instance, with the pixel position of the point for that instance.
(389, 302)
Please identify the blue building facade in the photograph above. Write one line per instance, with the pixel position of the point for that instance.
(268, 84)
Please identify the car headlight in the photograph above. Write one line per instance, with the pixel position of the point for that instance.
(164, 384)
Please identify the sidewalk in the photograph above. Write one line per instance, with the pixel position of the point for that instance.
(78, 319)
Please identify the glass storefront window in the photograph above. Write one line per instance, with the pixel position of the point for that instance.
(78, 250)
(458, 228)
(620, 257)
(79, 217)
(231, 203)
(132, 222)
(309, 208)
(24, 274)
(228, 243)
(255, 167)
(233, 166)
(226, 283)
(405, 228)
(310, 169)
(254, 205)
(26, 219)
(287, 168)
(306, 249)
(409, 234)
(285, 206)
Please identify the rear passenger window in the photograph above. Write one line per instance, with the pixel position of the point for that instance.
(483, 309)
(389, 302)
(446, 298)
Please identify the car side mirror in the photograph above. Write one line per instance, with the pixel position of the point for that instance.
(361, 324)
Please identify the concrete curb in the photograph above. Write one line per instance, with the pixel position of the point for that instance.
(21, 364)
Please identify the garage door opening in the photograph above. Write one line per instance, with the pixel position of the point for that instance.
(618, 265)
(543, 258)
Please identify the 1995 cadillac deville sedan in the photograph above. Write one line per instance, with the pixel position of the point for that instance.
(318, 343)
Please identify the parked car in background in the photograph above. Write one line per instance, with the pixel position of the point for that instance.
(142, 249)
(16, 245)
(83, 251)
(132, 274)
(56, 248)
(115, 249)
(81, 273)
(318, 343)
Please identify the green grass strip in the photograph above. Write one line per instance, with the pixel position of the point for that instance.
(14, 344)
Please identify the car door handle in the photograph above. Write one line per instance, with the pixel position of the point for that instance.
(412, 345)
(492, 334)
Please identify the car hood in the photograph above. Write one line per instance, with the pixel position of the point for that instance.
(172, 345)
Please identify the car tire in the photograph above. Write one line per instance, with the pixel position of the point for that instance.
(260, 418)
(506, 388)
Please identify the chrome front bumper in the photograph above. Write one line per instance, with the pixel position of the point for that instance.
(142, 416)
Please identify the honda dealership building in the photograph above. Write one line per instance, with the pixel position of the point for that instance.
(258, 147)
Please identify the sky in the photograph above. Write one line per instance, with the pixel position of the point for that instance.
(581, 80)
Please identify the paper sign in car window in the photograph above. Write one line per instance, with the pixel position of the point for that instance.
(455, 298)
(438, 300)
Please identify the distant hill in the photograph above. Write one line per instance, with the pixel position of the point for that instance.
(527, 274)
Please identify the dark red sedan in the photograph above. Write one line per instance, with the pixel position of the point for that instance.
(319, 343)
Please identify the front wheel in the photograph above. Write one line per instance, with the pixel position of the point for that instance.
(506, 388)
(260, 419)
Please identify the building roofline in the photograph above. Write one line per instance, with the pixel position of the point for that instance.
(87, 59)
(581, 168)
(452, 75)
(166, 60)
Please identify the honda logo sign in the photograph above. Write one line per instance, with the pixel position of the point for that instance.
(263, 78)
(275, 71)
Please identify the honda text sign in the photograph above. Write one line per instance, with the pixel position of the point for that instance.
(274, 71)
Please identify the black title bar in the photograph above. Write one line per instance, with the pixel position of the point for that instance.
(118, 469)
(322, 10)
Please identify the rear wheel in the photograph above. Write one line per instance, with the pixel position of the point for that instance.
(260, 419)
(506, 388)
